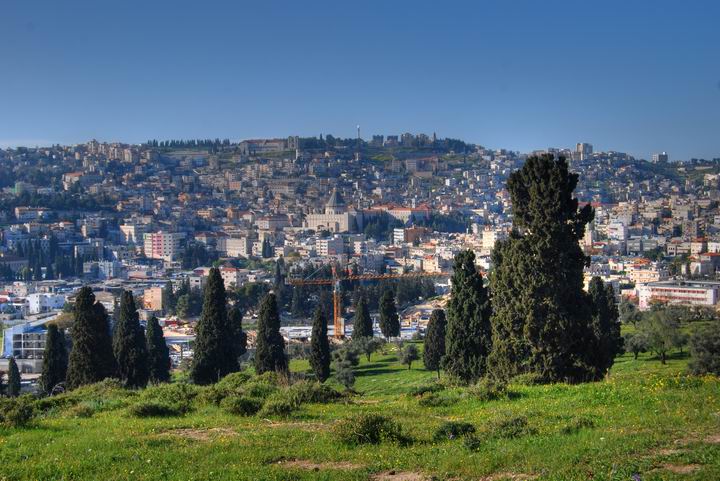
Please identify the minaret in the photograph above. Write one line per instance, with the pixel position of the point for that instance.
(357, 153)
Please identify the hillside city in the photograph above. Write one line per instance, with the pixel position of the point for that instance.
(289, 215)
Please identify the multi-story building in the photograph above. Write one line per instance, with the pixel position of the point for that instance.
(689, 293)
(331, 246)
(162, 245)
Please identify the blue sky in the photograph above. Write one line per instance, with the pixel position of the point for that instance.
(635, 76)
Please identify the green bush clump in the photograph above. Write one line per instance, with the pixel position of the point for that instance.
(433, 400)
(425, 389)
(370, 429)
(151, 408)
(234, 381)
(453, 430)
(259, 388)
(83, 410)
(528, 379)
(17, 412)
(165, 400)
(240, 405)
(507, 427)
(488, 389)
(577, 424)
(102, 392)
(311, 392)
(511, 427)
(278, 406)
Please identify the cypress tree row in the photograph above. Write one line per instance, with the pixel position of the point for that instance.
(389, 320)
(541, 316)
(214, 352)
(157, 352)
(607, 342)
(270, 345)
(320, 346)
(13, 387)
(55, 359)
(91, 358)
(362, 323)
(129, 344)
(435, 341)
(468, 337)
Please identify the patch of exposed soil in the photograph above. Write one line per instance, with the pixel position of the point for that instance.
(509, 477)
(398, 476)
(199, 434)
(680, 468)
(297, 425)
(713, 439)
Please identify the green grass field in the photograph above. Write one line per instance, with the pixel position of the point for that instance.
(645, 419)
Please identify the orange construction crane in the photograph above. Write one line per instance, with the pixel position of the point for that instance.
(338, 321)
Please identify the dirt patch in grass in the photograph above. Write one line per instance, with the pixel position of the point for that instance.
(509, 477)
(398, 476)
(297, 425)
(313, 466)
(713, 439)
(667, 452)
(198, 434)
(680, 468)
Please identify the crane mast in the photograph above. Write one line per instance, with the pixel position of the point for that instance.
(338, 321)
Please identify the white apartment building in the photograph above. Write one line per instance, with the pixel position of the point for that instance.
(331, 246)
(676, 292)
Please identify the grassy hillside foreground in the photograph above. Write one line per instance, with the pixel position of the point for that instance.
(646, 420)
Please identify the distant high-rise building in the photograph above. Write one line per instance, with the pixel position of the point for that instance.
(584, 150)
(662, 157)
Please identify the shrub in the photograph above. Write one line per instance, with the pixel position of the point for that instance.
(453, 430)
(167, 399)
(240, 405)
(433, 400)
(577, 424)
(259, 388)
(150, 408)
(369, 429)
(17, 412)
(472, 442)
(235, 381)
(425, 388)
(488, 389)
(511, 427)
(528, 379)
(705, 351)
(278, 405)
(83, 410)
(311, 392)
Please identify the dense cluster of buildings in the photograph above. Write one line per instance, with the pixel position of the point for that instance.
(138, 217)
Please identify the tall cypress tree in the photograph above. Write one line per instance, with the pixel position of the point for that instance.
(434, 349)
(541, 318)
(239, 337)
(214, 352)
(389, 320)
(468, 337)
(157, 352)
(362, 323)
(55, 359)
(270, 345)
(91, 358)
(607, 342)
(320, 346)
(13, 387)
(129, 344)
